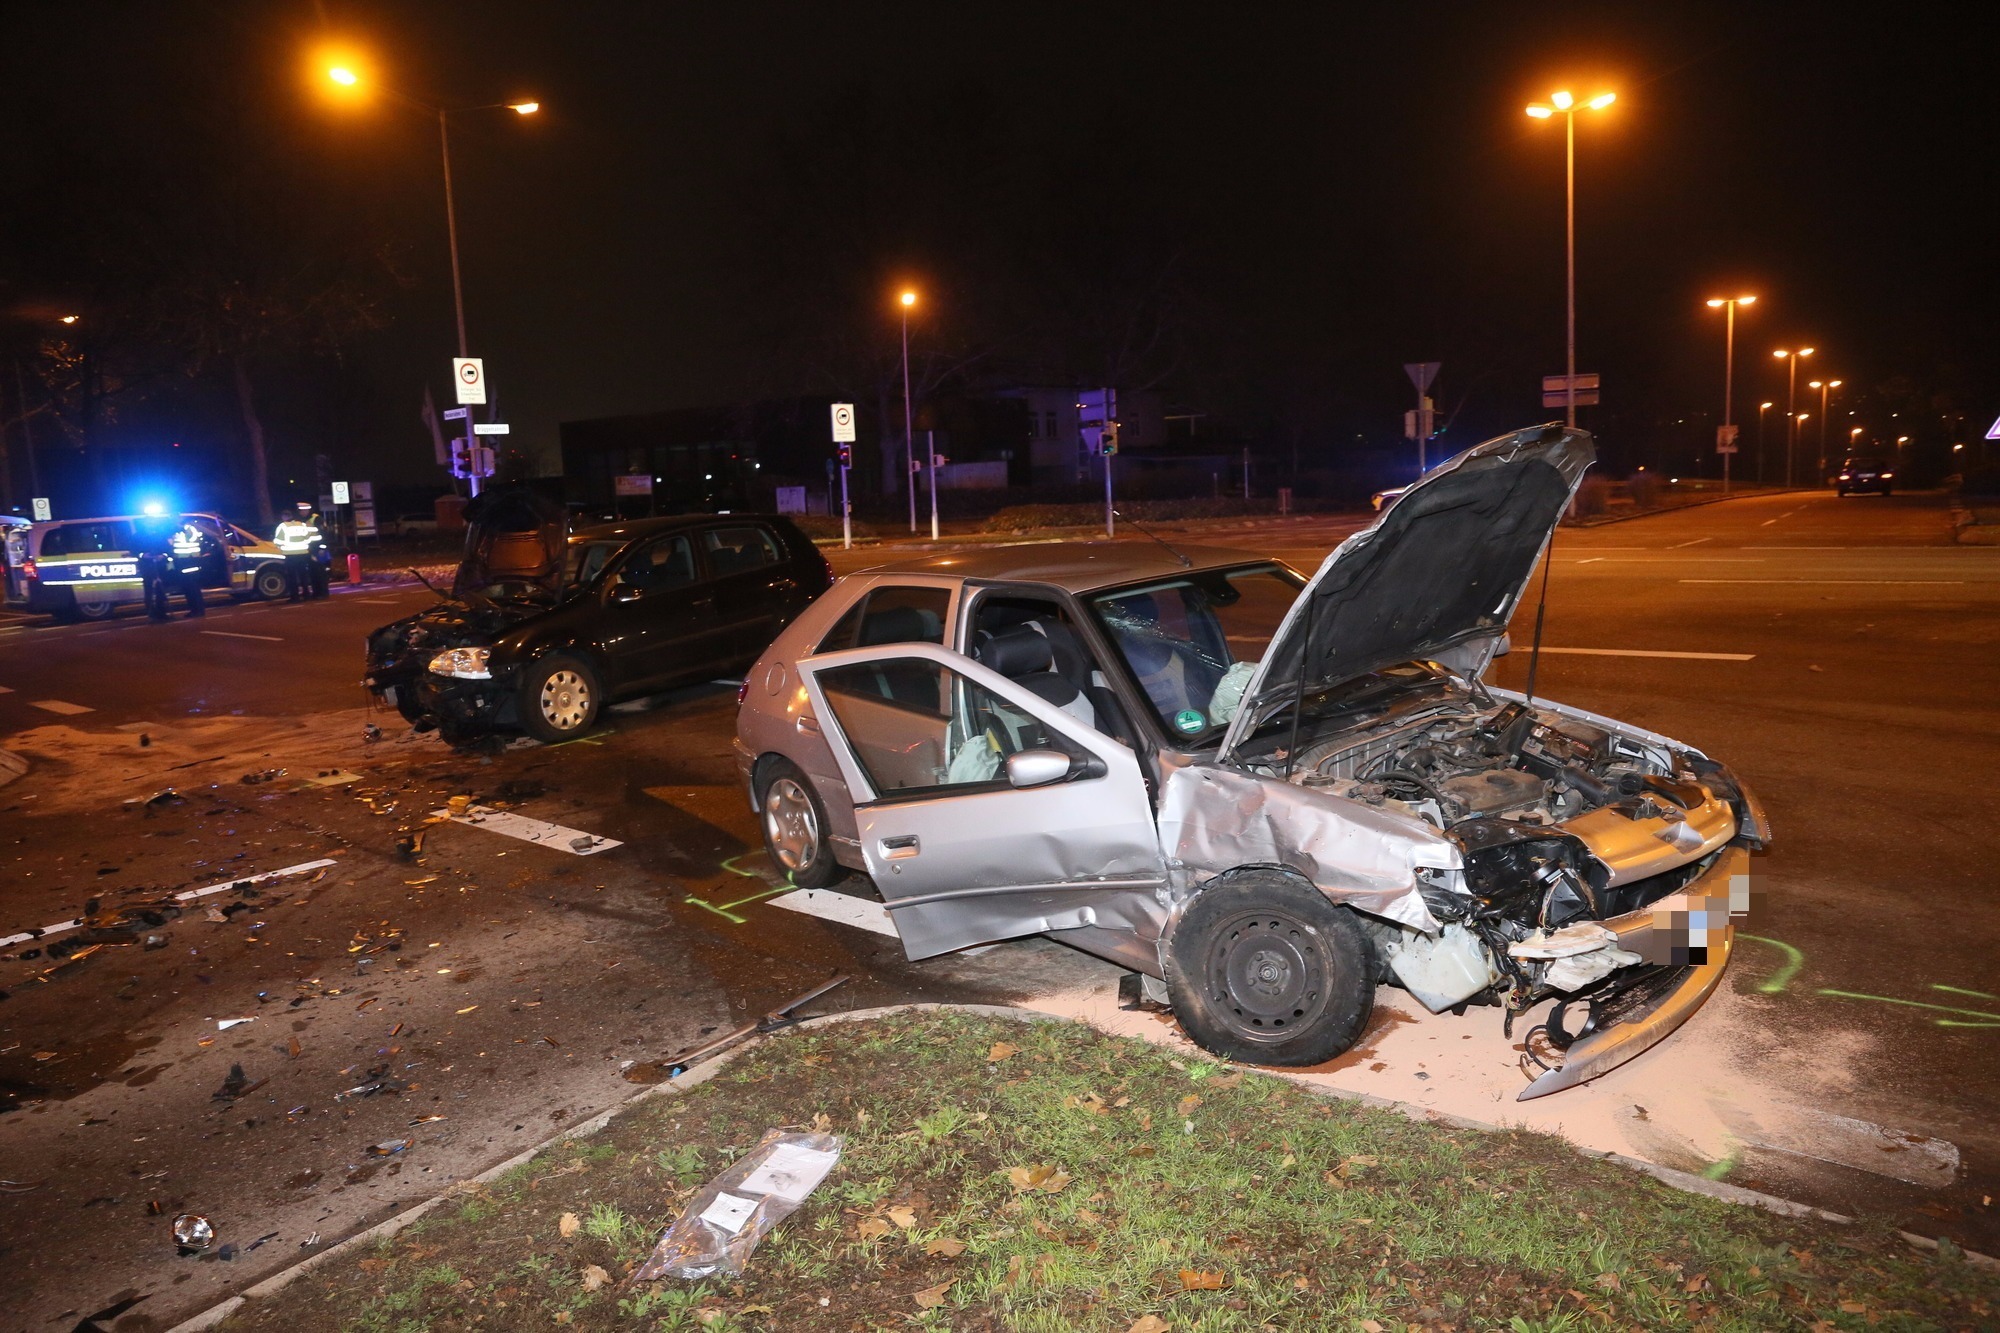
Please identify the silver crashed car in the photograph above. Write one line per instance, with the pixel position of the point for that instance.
(1268, 793)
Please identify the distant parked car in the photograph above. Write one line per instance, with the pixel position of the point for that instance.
(408, 524)
(544, 627)
(1269, 793)
(1859, 474)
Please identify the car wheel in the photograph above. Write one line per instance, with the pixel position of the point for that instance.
(1262, 968)
(271, 584)
(95, 610)
(794, 824)
(559, 698)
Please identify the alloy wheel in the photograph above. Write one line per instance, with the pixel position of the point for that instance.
(565, 700)
(790, 824)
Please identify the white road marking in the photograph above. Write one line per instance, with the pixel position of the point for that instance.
(1768, 522)
(377, 601)
(1897, 583)
(1865, 1146)
(1822, 548)
(58, 706)
(1649, 652)
(843, 908)
(225, 634)
(1696, 542)
(1594, 560)
(6, 689)
(23, 937)
(574, 841)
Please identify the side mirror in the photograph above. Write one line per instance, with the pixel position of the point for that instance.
(626, 592)
(1037, 768)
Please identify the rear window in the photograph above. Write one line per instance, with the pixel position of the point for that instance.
(891, 615)
(733, 550)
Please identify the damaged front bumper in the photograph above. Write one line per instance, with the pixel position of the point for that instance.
(1687, 938)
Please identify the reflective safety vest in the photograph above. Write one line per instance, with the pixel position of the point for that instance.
(294, 537)
(187, 542)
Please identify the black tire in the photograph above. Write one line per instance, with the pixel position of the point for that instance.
(95, 610)
(793, 819)
(560, 698)
(270, 582)
(1841, 491)
(1261, 968)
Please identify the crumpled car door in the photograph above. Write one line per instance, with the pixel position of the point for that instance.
(959, 854)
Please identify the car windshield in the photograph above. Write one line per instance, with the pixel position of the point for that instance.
(1192, 642)
(586, 561)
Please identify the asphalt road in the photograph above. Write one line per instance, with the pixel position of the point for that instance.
(1840, 654)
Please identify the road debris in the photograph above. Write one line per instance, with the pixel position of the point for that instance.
(192, 1233)
(389, 1147)
(723, 1223)
(268, 775)
(224, 1024)
(238, 1084)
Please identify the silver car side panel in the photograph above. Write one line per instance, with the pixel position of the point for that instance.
(962, 868)
(1214, 819)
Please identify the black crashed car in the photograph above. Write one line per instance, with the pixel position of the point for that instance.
(543, 626)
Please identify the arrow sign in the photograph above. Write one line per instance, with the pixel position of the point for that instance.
(1421, 373)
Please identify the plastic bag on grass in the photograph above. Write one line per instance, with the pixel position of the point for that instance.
(729, 1215)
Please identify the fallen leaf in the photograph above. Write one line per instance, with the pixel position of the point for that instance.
(1608, 1281)
(1047, 1179)
(1149, 1323)
(906, 1218)
(710, 1314)
(1371, 1326)
(1196, 1280)
(594, 1277)
(468, 1009)
(1853, 1307)
(945, 1246)
(1288, 1160)
(1695, 1283)
(822, 1122)
(1227, 1081)
(1001, 1050)
(1145, 1118)
(563, 1316)
(869, 1228)
(1188, 1103)
(930, 1298)
(569, 1225)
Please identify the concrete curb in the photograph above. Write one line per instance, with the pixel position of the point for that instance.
(1603, 519)
(715, 1064)
(11, 766)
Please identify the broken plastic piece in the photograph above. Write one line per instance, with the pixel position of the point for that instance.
(192, 1233)
(389, 1147)
(727, 1217)
(224, 1024)
(164, 796)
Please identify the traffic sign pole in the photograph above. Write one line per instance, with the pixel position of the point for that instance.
(843, 440)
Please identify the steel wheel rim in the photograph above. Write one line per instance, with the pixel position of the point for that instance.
(565, 700)
(1266, 975)
(791, 825)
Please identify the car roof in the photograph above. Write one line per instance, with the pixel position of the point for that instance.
(634, 528)
(1077, 567)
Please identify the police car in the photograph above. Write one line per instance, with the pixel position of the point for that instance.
(86, 568)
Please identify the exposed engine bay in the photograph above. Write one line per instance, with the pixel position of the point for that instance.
(1563, 824)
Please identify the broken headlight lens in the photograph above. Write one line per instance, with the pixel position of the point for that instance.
(465, 663)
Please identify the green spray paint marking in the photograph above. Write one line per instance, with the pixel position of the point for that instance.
(577, 740)
(1794, 960)
(1961, 1023)
(1918, 1004)
(1717, 1170)
(771, 892)
(1960, 990)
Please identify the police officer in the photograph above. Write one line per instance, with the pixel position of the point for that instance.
(295, 537)
(322, 559)
(153, 545)
(194, 560)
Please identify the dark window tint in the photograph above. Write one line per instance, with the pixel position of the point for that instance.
(659, 565)
(87, 539)
(891, 615)
(733, 550)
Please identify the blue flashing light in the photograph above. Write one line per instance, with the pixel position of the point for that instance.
(153, 509)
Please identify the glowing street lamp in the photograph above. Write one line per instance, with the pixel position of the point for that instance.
(1563, 104)
(908, 299)
(1824, 387)
(1792, 417)
(1726, 437)
(1762, 408)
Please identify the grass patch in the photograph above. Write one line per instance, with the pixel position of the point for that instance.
(1080, 1181)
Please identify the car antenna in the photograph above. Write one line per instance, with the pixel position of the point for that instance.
(1185, 562)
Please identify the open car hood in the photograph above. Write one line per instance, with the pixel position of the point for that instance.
(1436, 576)
(515, 542)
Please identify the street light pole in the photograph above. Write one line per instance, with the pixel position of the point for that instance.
(909, 433)
(451, 231)
(1565, 104)
(1762, 408)
(1791, 409)
(1725, 439)
(1824, 388)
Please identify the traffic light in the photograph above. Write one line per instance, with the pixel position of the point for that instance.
(461, 458)
(846, 454)
(1109, 440)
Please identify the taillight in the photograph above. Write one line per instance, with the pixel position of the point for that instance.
(28, 568)
(742, 691)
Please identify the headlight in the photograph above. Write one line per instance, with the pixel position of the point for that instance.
(465, 663)
(1888, 476)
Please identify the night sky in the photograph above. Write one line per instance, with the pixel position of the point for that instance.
(1262, 214)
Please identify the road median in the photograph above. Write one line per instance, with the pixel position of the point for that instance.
(1005, 1174)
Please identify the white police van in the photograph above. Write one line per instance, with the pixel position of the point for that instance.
(86, 568)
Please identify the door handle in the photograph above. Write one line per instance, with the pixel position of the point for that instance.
(900, 847)
(808, 724)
